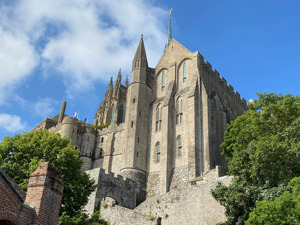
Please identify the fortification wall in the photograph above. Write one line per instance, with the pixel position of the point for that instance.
(118, 188)
(122, 190)
(189, 205)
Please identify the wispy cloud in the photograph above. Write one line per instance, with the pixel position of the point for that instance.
(44, 107)
(86, 41)
(11, 123)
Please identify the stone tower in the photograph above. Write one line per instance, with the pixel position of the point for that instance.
(137, 116)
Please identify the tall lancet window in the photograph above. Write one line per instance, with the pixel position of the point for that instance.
(179, 146)
(158, 118)
(163, 81)
(157, 149)
(113, 116)
(184, 72)
(120, 115)
(179, 110)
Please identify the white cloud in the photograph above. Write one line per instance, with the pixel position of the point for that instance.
(44, 107)
(86, 41)
(17, 59)
(11, 123)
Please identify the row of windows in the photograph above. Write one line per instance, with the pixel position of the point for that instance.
(163, 77)
(179, 149)
(179, 114)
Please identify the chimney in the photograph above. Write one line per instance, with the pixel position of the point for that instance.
(44, 193)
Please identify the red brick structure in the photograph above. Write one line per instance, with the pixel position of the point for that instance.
(42, 203)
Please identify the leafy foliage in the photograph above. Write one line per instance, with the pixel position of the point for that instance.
(81, 219)
(282, 210)
(262, 147)
(21, 154)
(100, 127)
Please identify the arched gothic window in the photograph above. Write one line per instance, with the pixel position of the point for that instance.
(184, 72)
(101, 152)
(113, 116)
(163, 81)
(179, 111)
(179, 146)
(158, 118)
(120, 115)
(157, 149)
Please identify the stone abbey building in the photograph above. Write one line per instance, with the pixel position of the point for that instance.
(166, 127)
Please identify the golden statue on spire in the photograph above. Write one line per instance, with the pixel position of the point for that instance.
(170, 11)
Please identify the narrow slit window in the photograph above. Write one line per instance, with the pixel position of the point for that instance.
(179, 111)
(184, 72)
(158, 118)
(163, 80)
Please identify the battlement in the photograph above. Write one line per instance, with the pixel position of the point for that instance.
(118, 178)
(216, 82)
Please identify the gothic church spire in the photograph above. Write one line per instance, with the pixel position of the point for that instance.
(140, 58)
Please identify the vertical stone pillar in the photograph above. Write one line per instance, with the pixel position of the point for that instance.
(166, 142)
(191, 137)
(62, 111)
(166, 154)
(44, 193)
(206, 115)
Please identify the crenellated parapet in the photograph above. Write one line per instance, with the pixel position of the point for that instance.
(216, 84)
(123, 190)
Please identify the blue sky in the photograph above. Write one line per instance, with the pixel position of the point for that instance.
(53, 50)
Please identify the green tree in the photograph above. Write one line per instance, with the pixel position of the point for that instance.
(284, 209)
(262, 147)
(21, 154)
(82, 219)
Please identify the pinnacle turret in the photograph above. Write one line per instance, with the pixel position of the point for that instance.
(140, 58)
(118, 85)
(119, 76)
(126, 82)
(109, 91)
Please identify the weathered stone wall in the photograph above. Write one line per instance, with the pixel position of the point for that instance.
(189, 205)
(121, 216)
(179, 177)
(153, 183)
(122, 190)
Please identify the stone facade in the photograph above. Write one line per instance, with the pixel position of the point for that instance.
(42, 203)
(164, 129)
